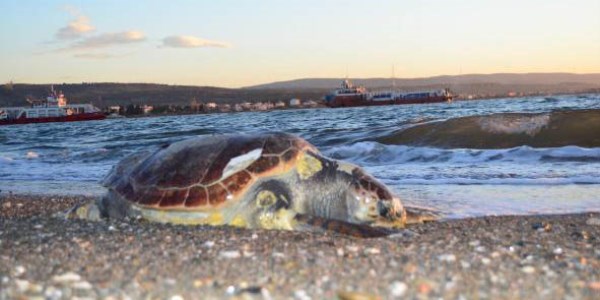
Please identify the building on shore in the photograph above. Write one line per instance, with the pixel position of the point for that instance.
(147, 109)
(211, 106)
(310, 103)
(225, 107)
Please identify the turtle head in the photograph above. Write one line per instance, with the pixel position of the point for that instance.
(346, 192)
(370, 201)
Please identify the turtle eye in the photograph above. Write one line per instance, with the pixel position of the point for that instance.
(265, 199)
(384, 210)
(273, 195)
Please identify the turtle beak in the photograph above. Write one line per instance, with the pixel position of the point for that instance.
(391, 214)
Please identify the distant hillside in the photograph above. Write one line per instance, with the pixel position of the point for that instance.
(475, 85)
(107, 94)
(446, 80)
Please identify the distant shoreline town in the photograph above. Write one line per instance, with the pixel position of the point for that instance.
(209, 107)
(139, 99)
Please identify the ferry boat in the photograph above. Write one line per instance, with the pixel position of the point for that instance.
(53, 109)
(349, 95)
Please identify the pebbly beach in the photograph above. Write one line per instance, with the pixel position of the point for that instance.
(501, 257)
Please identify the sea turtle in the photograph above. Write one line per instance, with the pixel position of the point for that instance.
(268, 180)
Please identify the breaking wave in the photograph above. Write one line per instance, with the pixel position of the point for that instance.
(373, 153)
(523, 165)
(505, 130)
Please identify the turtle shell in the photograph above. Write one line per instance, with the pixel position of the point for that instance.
(205, 171)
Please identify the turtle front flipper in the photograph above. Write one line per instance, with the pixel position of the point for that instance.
(86, 210)
(319, 224)
(417, 214)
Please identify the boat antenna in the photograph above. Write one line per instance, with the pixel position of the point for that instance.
(393, 76)
(346, 71)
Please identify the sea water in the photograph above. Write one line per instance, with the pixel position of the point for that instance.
(466, 158)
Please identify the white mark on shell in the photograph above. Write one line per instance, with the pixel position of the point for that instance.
(241, 162)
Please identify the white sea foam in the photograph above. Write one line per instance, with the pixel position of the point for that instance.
(510, 124)
(523, 165)
(500, 181)
(6, 160)
(32, 155)
(372, 153)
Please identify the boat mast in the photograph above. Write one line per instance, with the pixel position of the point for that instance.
(393, 77)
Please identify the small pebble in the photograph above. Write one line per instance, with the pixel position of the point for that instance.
(67, 277)
(581, 235)
(485, 260)
(278, 254)
(402, 234)
(82, 285)
(528, 269)
(111, 228)
(230, 254)
(230, 290)
(474, 243)
(465, 264)
(176, 297)
(19, 270)
(301, 295)
(356, 296)
(558, 251)
(424, 288)
(22, 285)
(398, 289)
(339, 252)
(208, 244)
(593, 221)
(352, 248)
(541, 226)
(372, 251)
(53, 293)
(447, 258)
(251, 290)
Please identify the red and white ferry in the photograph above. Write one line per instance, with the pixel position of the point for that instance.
(349, 95)
(53, 109)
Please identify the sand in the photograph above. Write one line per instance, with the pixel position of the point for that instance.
(528, 257)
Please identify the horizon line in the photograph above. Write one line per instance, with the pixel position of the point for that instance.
(296, 79)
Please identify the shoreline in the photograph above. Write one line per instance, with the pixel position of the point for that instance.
(541, 256)
(323, 106)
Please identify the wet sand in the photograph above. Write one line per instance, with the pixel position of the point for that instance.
(533, 257)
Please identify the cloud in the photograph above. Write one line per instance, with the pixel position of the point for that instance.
(186, 41)
(98, 56)
(107, 40)
(76, 28)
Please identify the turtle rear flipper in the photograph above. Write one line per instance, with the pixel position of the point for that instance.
(319, 224)
(419, 214)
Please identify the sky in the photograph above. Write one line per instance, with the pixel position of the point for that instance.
(242, 43)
